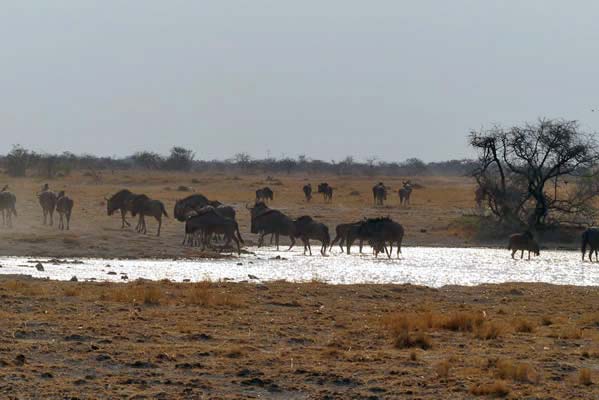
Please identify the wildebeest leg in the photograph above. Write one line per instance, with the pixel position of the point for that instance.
(521, 254)
(528, 255)
(292, 243)
(124, 218)
(261, 239)
(68, 220)
(277, 240)
(51, 217)
(514, 252)
(159, 224)
(60, 221)
(361, 245)
(387, 251)
(44, 211)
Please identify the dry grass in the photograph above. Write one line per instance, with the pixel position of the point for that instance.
(523, 326)
(406, 339)
(585, 377)
(519, 372)
(546, 321)
(489, 330)
(72, 291)
(568, 333)
(204, 294)
(463, 321)
(494, 389)
(442, 369)
(137, 293)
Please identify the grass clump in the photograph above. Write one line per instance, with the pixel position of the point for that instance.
(585, 377)
(463, 321)
(523, 326)
(494, 389)
(489, 330)
(519, 372)
(406, 340)
(204, 294)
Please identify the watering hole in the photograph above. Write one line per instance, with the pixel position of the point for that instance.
(429, 266)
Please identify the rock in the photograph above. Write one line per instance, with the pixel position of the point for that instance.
(239, 263)
(39, 266)
(186, 280)
(111, 273)
(423, 230)
(261, 287)
(124, 277)
(74, 279)
(20, 360)
(47, 375)
(252, 276)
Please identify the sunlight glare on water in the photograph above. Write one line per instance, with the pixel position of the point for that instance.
(434, 267)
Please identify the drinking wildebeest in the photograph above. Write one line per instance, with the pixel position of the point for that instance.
(307, 192)
(380, 230)
(209, 222)
(264, 194)
(268, 221)
(404, 193)
(8, 208)
(64, 208)
(143, 206)
(121, 200)
(190, 203)
(306, 228)
(523, 241)
(326, 190)
(379, 193)
(590, 238)
(47, 201)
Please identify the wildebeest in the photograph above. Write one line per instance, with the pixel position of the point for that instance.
(190, 203)
(143, 205)
(64, 208)
(209, 222)
(47, 201)
(326, 190)
(264, 194)
(523, 241)
(225, 211)
(307, 192)
(307, 228)
(379, 193)
(590, 239)
(381, 231)
(121, 200)
(268, 221)
(341, 233)
(8, 208)
(404, 193)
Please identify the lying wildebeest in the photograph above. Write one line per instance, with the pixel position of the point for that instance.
(64, 208)
(8, 208)
(380, 231)
(190, 203)
(47, 200)
(404, 193)
(307, 192)
(379, 193)
(268, 221)
(590, 238)
(143, 205)
(326, 190)
(306, 228)
(209, 222)
(264, 194)
(121, 200)
(523, 241)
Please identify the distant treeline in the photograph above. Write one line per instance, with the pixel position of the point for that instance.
(21, 162)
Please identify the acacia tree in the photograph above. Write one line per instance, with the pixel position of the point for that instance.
(518, 166)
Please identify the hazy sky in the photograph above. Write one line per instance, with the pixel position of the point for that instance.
(392, 79)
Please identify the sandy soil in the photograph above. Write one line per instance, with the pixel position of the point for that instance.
(428, 221)
(296, 341)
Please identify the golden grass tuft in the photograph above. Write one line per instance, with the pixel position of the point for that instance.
(494, 389)
(71, 291)
(204, 294)
(567, 333)
(442, 369)
(489, 330)
(148, 294)
(463, 321)
(584, 377)
(406, 340)
(523, 326)
(519, 372)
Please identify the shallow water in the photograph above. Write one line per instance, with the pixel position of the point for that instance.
(434, 267)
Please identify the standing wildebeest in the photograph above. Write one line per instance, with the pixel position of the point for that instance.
(121, 200)
(268, 221)
(64, 207)
(210, 222)
(379, 193)
(341, 233)
(8, 203)
(379, 231)
(143, 205)
(47, 200)
(326, 190)
(264, 194)
(523, 241)
(590, 238)
(404, 193)
(306, 228)
(307, 192)
(225, 211)
(190, 203)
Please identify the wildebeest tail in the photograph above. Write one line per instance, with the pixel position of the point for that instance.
(238, 234)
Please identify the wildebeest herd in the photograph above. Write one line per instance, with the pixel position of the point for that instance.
(207, 221)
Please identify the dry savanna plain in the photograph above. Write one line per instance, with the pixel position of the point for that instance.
(280, 340)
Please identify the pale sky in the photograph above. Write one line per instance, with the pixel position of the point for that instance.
(391, 79)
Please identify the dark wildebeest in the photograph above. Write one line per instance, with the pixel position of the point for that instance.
(380, 231)
(143, 205)
(264, 194)
(225, 211)
(8, 208)
(190, 203)
(121, 200)
(590, 238)
(306, 228)
(307, 192)
(64, 208)
(47, 200)
(326, 190)
(523, 241)
(341, 233)
(208, 223)
(379, 193)
(268, 221)
(404, 193)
